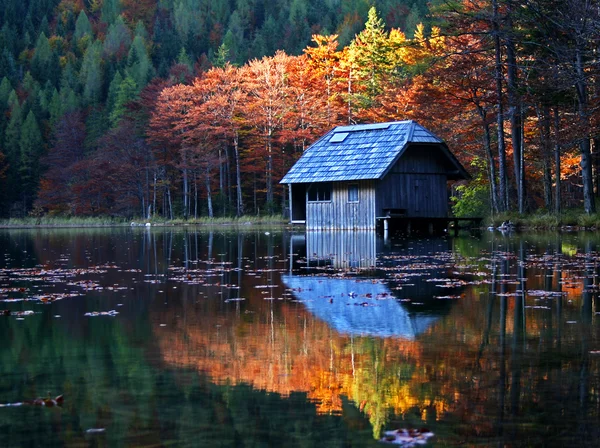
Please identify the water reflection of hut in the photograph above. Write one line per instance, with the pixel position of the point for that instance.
(343, 249)
(358, 306)
(370, 305)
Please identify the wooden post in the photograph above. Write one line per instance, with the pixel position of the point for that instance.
(385, 230)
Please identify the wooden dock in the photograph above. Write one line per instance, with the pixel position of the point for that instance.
(429, 226)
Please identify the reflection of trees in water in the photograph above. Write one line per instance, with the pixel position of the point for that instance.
(485, 362)
(292, 351)
(491, 369)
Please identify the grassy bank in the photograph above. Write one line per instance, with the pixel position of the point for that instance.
(548, 221)
(74, 221)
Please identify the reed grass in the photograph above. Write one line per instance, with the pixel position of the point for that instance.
(106, 221)
(547, 221)
(63, 221)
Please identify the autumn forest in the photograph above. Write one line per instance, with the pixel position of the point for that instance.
(191, 108)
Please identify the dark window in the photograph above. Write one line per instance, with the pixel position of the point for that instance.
(319, 192)
(353, 193)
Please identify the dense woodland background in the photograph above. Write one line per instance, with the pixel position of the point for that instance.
(188, 108)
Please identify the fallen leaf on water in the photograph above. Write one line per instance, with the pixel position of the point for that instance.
(40, 401)
(407, 437)
(102, 313)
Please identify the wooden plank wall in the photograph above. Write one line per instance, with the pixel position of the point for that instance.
(341, 214)
(421, 195)
(345, 248)
(417, 183)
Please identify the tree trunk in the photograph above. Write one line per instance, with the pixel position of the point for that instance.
(514, 109)
(238, 177)
(169, 202)
(228, 178)
(557, 168)
(487, 142)
(208, 194)
(503, 198)
(195, 195)
(221, 173)
(254, 194)
(269, 179)
(155, 179)
(589, 204)
(546, 155)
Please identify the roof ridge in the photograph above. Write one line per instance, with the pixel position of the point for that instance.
(422, 128)
(411, 131)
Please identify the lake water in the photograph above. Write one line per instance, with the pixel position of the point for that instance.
(184, 337)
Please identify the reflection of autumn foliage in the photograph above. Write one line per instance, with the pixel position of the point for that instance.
(292, 351)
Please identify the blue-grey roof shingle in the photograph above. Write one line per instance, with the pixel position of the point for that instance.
(357, 152)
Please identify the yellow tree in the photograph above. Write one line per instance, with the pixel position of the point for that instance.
(324, 62)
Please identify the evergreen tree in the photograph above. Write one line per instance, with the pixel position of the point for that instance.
(96, 126)
(69, 100)
(8, 67)
(42, 56)
(113, 91)
(138, 62)
(128, 91)
(31, 149)
(184, 59)
(8, 38)
(12, 137)
(44, 27)
(167, 45)
(68, 78)
(111, 9)
(90, 75)
(118, 39)
(5, 89)
(371, 55)
(221, 57)
(54, 107)
(298, 35)
(234, 39)
(140, 30)
(3, 184)
(412, 20)
(83, 27)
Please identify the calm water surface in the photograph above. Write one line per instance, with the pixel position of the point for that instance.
(177, 337)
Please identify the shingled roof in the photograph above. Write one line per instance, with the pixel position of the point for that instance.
(362, 152)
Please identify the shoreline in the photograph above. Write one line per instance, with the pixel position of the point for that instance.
(60, 223)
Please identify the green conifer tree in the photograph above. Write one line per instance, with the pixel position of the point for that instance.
(42, 56)
(90, 75)
(12, 137)
(83, 27)
(113, 91)
(55, 107)
(371, 56)
(128, 91)
(221, 56)
(31, 149)
(111, 9)
(139, 66)
(118, 38)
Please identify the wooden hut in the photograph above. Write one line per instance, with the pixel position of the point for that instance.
(355, 175)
